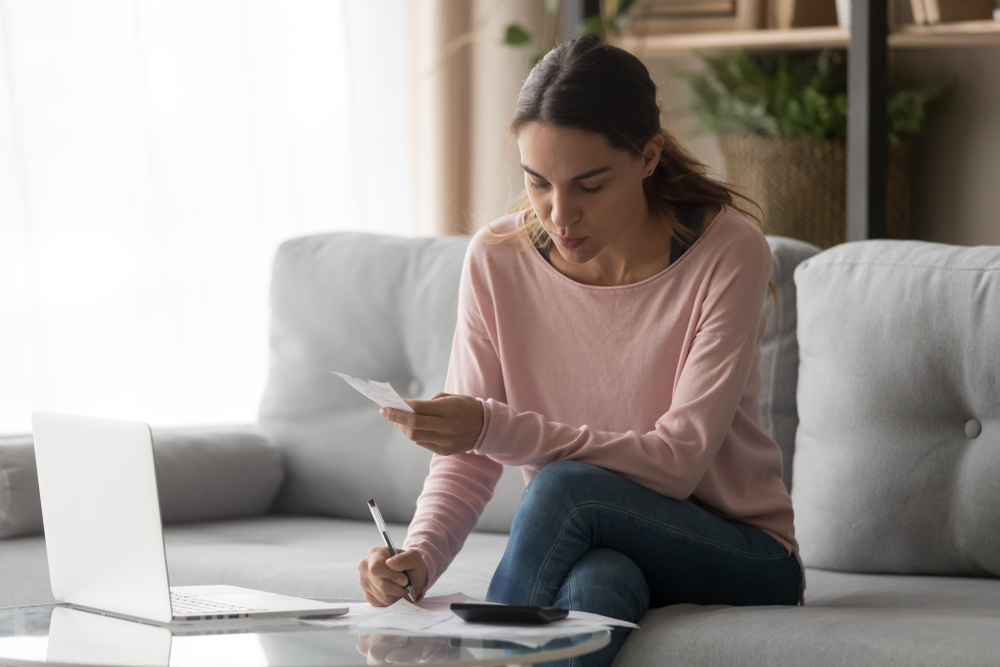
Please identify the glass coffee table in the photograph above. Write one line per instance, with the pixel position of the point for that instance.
(57, 634)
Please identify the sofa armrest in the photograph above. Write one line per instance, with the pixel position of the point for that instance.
(202, 473)
(20, 508)
(221, 472)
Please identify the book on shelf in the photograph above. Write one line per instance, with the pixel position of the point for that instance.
(657, 17)
(751, 14)
(787, 14)
(941, 11)
(687, 16)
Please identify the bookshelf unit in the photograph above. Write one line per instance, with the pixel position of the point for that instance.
(869, 40)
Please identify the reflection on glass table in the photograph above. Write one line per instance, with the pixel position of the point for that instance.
(70, 636)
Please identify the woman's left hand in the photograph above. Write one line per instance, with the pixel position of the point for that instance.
(447, 424)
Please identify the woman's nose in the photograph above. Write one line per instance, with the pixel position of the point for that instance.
(564, 210)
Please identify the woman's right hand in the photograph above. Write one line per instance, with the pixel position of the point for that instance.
(383, 579)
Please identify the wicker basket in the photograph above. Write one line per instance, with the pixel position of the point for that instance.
(802, 186)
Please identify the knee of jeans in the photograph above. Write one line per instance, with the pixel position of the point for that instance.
(606, 581)
(559, 483)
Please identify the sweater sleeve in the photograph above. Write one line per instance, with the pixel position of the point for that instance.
(672, 458)
(458, 487)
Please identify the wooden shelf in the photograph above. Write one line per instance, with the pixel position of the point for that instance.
(685, 44)
(965, 33)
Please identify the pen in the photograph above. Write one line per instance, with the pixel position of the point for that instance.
(380, 522)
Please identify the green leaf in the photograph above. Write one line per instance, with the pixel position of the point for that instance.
(551, 6)
(593, 25)
(516, 35)
(793, 95)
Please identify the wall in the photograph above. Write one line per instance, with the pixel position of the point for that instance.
(957, 172)
(499, 72)
(465, 83)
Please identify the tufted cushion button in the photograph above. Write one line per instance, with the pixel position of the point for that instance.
(973, 428)
(414, 388)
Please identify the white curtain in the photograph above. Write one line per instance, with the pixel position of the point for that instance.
(152, 156)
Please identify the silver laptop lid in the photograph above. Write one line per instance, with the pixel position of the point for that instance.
(101, 513)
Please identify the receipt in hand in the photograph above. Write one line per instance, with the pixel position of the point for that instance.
(380, 392)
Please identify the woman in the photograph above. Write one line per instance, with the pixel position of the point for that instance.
(608, 341)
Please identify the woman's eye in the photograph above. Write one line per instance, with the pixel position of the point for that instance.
(546, 186)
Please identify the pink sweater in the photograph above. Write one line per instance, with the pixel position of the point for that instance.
(657, 381)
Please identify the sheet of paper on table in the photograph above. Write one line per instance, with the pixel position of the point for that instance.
(380, 392)
(433, 616)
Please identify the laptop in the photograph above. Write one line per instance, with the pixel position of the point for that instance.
(104, 535)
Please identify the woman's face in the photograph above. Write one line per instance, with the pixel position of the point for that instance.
(587, 194)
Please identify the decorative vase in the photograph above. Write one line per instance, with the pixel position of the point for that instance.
(801, 186)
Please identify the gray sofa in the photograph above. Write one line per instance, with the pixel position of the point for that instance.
(881, 383)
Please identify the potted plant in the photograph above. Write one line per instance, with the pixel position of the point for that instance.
(781, 119)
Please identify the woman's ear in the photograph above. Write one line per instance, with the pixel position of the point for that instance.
(651, 153)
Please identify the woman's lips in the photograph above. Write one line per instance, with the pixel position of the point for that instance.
(570, 244)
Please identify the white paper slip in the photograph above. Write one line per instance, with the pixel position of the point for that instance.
(405, 616)
(433, 616)
(380, 392)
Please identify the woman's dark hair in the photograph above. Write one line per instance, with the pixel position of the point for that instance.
(586, 84)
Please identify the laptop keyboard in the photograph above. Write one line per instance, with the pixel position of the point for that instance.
(193, 605)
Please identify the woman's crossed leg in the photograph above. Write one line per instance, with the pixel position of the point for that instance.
(587, 539)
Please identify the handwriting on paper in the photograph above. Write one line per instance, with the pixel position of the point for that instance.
(380, 392)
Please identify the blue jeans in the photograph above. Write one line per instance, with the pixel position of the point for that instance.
(587, 539)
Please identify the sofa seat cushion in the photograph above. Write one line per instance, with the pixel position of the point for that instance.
(848, 620)
(305, 556)
(308, 556)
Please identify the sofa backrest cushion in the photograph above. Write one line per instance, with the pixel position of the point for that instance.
(378, 307)
(779, 349)
(202, 474)
(897, 462)
(384, 308)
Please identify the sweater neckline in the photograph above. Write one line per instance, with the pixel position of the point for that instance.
(562, 276)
